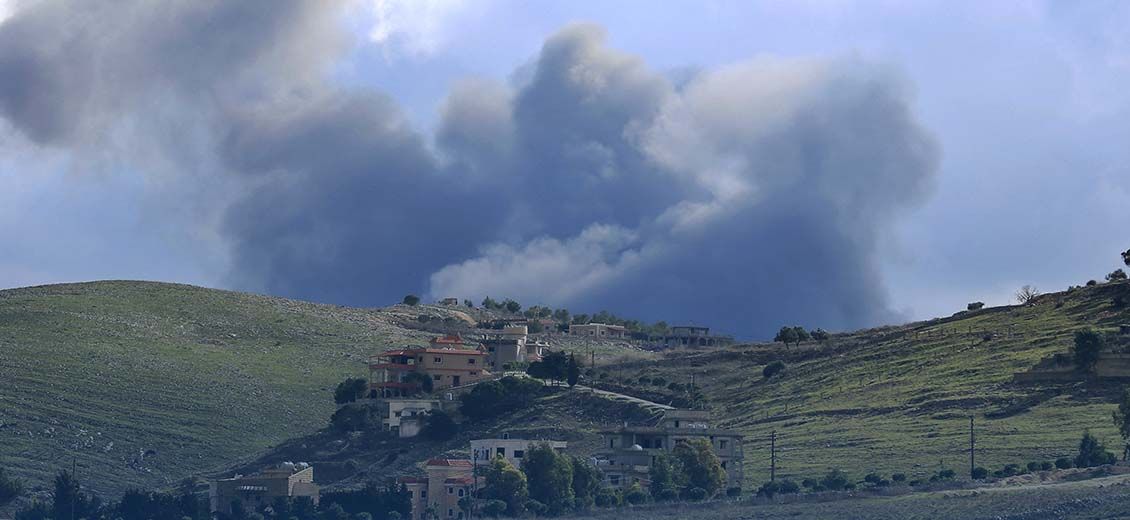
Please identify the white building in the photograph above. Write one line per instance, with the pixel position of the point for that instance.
(513, 450)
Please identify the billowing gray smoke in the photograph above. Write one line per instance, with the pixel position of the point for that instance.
(744, 198)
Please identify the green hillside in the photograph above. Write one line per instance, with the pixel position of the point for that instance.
(897, 399)
(146, 383)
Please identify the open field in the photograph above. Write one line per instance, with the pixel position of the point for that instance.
(898, 399)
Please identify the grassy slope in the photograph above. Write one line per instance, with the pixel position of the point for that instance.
(106, 371)
(891, 400)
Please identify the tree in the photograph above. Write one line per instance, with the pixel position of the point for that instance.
(1092, 452)
(10, 488)
(1027, 294)
(69, 500)
(665, 477)
(411, 299)
(512, 306)
(835, 480)
(469, 304)
(1117, 275)
(787, 335)
(635, 494)
(550, 477)
(561, 315)
(1126, 257)
(421, 382)
(439, 426)
(350, 390)
(352, 417)
(504, 482)
(586, 482)
(1088, 345)
(490, 304)
(975, 306)
(821, 335)
(572, 371)
(801, 334)
(1121, 418)
(773, 369)
(553, 366)
(700, 465)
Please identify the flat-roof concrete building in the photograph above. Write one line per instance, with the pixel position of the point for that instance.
(260, 489)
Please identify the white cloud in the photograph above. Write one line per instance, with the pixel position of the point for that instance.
(415, 28)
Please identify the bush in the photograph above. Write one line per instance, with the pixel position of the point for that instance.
(411, 299)
(900, 477)
(670, 494)
(1064, 463)
(1046, 465)
(1092, 453)
(1117, 275)
(835, 480)
(872, 478)
(773, 369)
(607, 498)
(975, 306)
(493, 508)
(788, 487)
(734, 492)
(635, 495)
(1085, 352)
(1033, 466)
(10, 488)
(943, 475)
(658, 381)
(350, 390)
(821, 335)
(979, 473)
(696, 494)
(1091, 283)
(536, 507)
(353, 417)
(439, 426)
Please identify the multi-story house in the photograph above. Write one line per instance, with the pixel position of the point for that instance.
(483, 451)
(628, 452)
(260, 489)
(447, 482)
(448, 361)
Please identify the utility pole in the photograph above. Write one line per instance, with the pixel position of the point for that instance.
(474, 481)
(773, 456)
(971, 445)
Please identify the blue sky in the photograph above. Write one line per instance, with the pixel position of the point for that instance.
(1027, 102)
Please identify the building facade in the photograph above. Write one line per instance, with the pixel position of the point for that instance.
(449, 362)
(599, 330)
(628, 452)
(688, 336)
(404, 416)
(483, 451)
(260, 489)
(447, 482)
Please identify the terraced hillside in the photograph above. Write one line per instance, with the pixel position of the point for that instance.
(146, 383)
(898, 399)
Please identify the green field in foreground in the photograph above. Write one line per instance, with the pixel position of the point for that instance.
(898, 399)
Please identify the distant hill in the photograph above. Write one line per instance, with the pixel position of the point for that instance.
(898, 399)
(146, 383)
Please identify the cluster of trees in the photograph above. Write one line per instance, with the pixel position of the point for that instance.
(10, 488)
(798, 335)
(350, 390)
(1085, 352)
(550, 483)
(69, 501)
(507, 305)
(493, 398)
(411, 299)
(557, 367)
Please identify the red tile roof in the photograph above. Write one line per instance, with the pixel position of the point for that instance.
(460, 463)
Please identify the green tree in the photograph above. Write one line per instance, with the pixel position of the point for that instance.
(700, 465)
(835, 480)
(350, 390)
(550, 477)
(553, 366)
(801, 334)
(572, 371)
(1126, 257)
(586, 482)
(469, 304)
(504, 482)
(69, 500)
(411, 299)
(511, 306)
(773, 369)
(1117, 275)
(787, 335)
(1121, 418)
(1088, 345)
(439, 426)
(975, 306)
(821, 335)
(490, 304)
(1092, 452)
(561, 315)
(10, 488)
(666, 477)
(422, 383)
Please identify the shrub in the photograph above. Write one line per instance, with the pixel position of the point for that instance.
(670, 494)
(810, 483)
(350, 390)
(696, 494)
(607, 498)
(1064, 463)
(975, 306)
(535, 507)
(835, 480)
(821, 335)
(1046, 465)
(1092, 452)
(1085, 352)
(772, 369)
(1033, 466)
(734, 492)
(872, 478)
(1116, 276)
(658, 381)
(979, 473)
(411, 299)
(899, 477)
(1091, 283)
(943, 475)
(352, 417)
(635, 495)
(493, 508)
(789, 487)
(10, 488)
(439, 426)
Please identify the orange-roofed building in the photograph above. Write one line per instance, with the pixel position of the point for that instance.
(448, 362)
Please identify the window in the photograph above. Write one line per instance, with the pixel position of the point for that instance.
(438, 360)
(614, 480)
(723, 465)
(450, 512)
(471, 361)
(519, 454)
(722, 444)
(450, 491)
(500, 451)
(437, 378)
(462, 492)
(423, 493)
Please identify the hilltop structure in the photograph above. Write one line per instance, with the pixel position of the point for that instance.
(599, 330)
(629, 452)
(260, 489)
(687, 336)
(483, 451)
